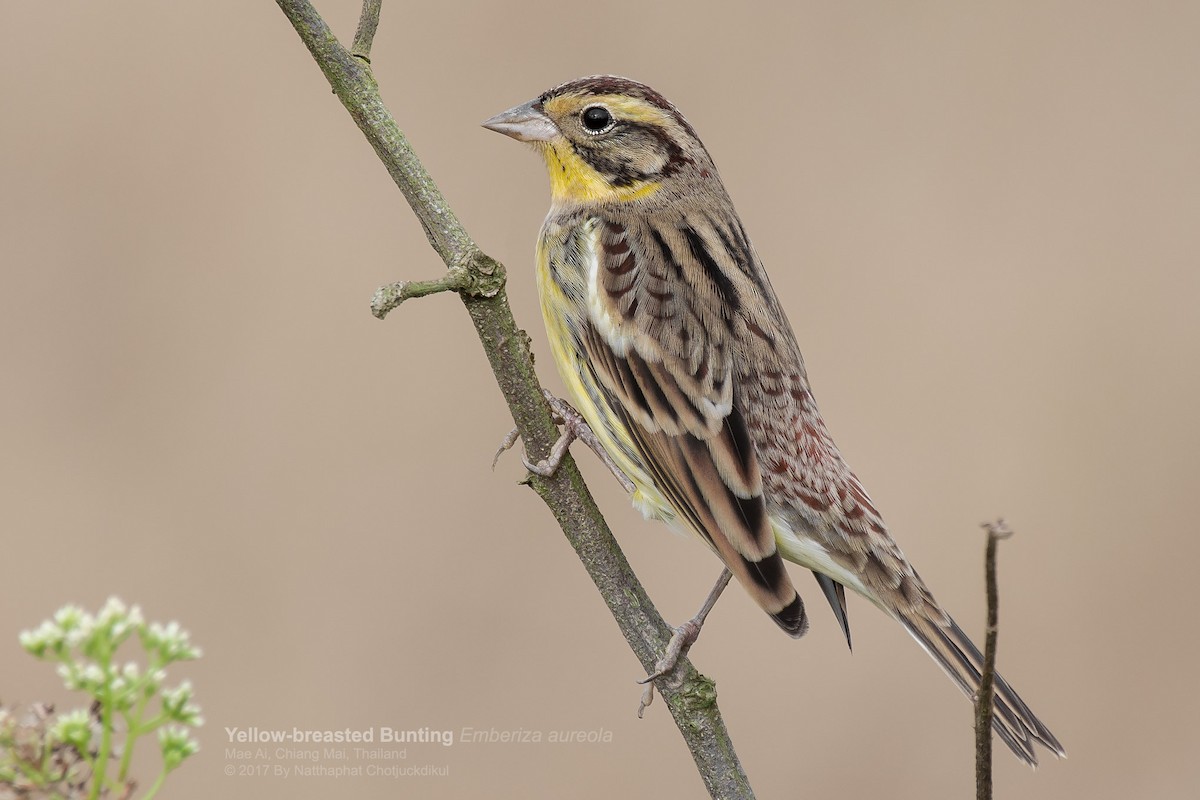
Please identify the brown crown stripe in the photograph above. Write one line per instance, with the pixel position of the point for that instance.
(613, 84)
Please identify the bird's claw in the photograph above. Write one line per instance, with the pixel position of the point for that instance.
(681, 641)
(506, 444)
(574, 427)
(547, 466)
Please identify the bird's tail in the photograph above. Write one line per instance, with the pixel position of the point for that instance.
(960, 658)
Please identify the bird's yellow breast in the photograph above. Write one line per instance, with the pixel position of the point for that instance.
(564, 259)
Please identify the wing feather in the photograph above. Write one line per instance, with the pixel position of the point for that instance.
(658, 343)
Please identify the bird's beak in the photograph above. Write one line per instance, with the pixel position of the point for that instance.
(524, 123)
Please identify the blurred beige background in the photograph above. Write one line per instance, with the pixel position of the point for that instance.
(982, 221)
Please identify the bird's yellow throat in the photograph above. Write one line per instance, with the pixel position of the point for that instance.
(573, 180)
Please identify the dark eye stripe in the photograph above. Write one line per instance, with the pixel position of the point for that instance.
(612, 156)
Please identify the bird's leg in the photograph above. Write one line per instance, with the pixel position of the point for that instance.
(685, 636)
(574, 427)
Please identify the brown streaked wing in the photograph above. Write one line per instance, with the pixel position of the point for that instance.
(662, 358)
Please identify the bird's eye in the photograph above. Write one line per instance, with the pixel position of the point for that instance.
(596, 119)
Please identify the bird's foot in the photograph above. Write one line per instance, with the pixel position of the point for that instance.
(681, 641)
(574, 426)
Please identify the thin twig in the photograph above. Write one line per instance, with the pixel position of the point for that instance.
(692, 701)
(368, 22)
(386, 298)
(987, 680)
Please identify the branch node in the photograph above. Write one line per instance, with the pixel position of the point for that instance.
(998, 529)
(476, 274)
(368, 22)
(698, 693)
(484, 275)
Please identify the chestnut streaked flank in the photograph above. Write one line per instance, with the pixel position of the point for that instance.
(677, 352)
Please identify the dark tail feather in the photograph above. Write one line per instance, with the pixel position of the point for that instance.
(955, 653)
(835, 593)
(792, 618)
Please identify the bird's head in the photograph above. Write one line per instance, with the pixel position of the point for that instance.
(607, 139)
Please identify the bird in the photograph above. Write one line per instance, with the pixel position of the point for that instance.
(677, 353)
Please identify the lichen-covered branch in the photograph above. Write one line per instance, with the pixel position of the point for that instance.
(987, 680)
(364, 37)
(474, 283)
(479, 280)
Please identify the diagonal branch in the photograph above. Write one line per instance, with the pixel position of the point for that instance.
(479, 280)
